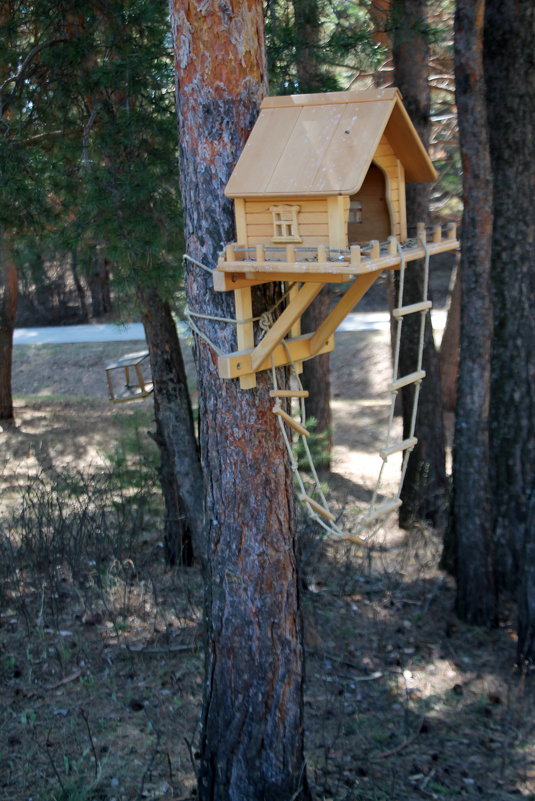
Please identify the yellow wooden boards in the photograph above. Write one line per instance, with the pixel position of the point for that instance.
(313, 145)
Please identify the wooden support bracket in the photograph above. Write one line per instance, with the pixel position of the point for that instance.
(282, 325)
(356, 291)
(235, 365)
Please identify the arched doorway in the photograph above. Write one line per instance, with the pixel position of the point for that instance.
(369, 216)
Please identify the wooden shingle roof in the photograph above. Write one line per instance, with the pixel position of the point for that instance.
(323, 144)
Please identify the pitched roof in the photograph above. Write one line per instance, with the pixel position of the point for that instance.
(323, 144)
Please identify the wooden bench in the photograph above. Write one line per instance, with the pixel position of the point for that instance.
(130, 367)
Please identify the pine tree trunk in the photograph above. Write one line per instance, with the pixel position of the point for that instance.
(99, 285)
(450, 345)
(180, 468)
(316, 378)
(252, 723)
(8, 311)
(425, 490)
(471, 508)
(510, 79)
(316, 372)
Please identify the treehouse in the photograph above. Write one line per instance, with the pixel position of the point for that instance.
(327, 169)
(319, 197)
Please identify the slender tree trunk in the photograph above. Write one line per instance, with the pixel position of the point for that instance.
(79, 286)
(510, 79)
(425, 491)
(180, 470)
(316, 372)
(471, 508)
(449, 353)
(316, 378)
(99, 285)
(8, 311)
(252, 723)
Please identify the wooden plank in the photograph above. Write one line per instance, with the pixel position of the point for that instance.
(304, 217)
(356, 291)
(266, 233)
(257, 206)
(328, 98)
(259, 157)
(337, 226)
(317, 507)
(412, 308)
(244, 331)
(397, 447)
(307, 241)
(404, 381)
(288, 393)
(241, 221)
(291, 422)
(295, 330)
(282, 325)
(382, 510)
(234, 365)
(305, 149)
(128, 360)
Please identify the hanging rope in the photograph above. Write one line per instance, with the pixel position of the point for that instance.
(318, 510)
(376, 514)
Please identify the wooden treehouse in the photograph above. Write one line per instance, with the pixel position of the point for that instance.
(319, 198)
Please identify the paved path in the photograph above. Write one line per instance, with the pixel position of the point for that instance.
(51, 335)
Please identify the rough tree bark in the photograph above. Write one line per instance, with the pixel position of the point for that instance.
(425, 490)
(180, 466)
(471, 508)
(8, 311)
(510, 79)
(252, 722)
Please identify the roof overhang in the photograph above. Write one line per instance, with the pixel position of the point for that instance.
(323, 144)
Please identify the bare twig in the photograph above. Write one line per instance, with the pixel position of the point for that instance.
(401, 746)
(91, 741)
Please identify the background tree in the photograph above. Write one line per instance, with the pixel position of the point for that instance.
(252, 720)
(28, 35)
(424, 491)
(471, 509)
(510, 81)
(129, 212)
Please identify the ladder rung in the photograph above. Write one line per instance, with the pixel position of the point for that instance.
(383, 509)
(403, 445)
(288, 393)
(405, 380)
(291, 422)
(424, 305)
(318, 508)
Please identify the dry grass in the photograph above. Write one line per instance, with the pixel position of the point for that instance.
(100, 660)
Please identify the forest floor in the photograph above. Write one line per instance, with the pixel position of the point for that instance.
(101, 644)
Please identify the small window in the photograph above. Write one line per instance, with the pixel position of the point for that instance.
(285, 228)
(355, 211)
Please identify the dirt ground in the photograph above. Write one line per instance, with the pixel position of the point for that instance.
(100, 643)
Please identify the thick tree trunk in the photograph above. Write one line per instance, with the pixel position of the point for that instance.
(510, 79)
(180, 470)
(471, 508)
(8, 311)
(425, 491)
(252, 723)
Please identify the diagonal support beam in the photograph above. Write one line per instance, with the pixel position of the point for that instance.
(282, 325)
(356, 291)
